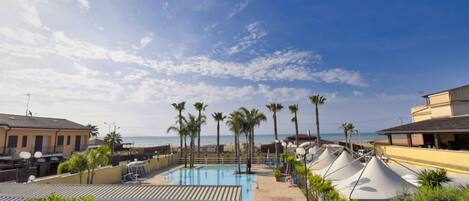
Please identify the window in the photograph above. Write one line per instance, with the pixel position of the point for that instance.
(12, 141)
(24, 142)
(68, 140)
(60, 140)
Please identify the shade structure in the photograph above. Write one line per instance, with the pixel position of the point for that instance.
(342, 168)
(325, 159)
(304, 144)
(374, 182)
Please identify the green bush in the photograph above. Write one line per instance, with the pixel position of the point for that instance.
(53, 197)
(429, 193)
(276, 173)
(433, 178)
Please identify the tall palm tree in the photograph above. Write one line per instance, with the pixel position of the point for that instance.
(199, 106)
(192, 125)
(348, 129)
(317, 100)
(180, 107)
(218, 116)
(250, 119)
(234, 123)
(96, 158)
(294, 109)
(77, 163)
(274, 108)
(113, 138)
(182, 131)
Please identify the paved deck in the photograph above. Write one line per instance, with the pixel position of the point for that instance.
(267, 189)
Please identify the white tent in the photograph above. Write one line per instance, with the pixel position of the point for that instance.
(325, 159)
(344, 167)
(304, 144)
(374, 182)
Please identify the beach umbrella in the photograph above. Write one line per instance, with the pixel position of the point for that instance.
(325, 159)
(344, 167)
(375, 181)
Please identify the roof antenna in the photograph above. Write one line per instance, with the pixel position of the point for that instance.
(27, 105)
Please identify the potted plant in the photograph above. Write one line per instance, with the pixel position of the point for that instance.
(276, 174)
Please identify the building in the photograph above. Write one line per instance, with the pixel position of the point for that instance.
(438, 134)
(50, 136)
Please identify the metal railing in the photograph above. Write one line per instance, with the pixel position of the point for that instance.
(14, 151)
(255, 160)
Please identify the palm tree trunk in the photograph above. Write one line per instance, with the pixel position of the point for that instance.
(88, 175)
(180, 145)
(253, 149)
(317, 126)
(247, 150)
(237, 153)
(198, 134)
(276, 136)
(185, 152)
(218, 140)
(181, 136)
(92, 176)
(192, 153)
(296, 129)
(80, 174)
(346, 139)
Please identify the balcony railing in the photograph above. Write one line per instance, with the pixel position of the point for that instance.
(45, 150)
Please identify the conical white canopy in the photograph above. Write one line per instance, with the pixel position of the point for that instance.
(377, 182)
(344, 167)
(325, 159)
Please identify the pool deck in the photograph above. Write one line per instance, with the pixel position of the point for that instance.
(271, 190)
(266, 187)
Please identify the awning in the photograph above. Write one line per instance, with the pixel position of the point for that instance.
(438, 125)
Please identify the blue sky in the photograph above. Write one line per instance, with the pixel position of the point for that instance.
(126, 61)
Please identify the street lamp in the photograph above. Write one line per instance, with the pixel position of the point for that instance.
(284, 144)
(302, 152)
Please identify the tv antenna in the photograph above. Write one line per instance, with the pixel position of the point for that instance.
(27, 104)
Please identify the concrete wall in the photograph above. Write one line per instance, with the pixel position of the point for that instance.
(456, 161)
(108, 174)
(441, 111)
(441, 98)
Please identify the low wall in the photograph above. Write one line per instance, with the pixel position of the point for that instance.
(457, 161)
(106, 175)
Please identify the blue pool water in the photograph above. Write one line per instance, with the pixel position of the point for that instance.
(212, 175)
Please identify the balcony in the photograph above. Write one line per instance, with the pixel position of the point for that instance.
(45, 150)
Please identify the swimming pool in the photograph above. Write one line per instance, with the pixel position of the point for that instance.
(212, 175)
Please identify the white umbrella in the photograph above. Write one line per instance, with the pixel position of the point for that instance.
(344, 167)
(374, 182)
(325, 159)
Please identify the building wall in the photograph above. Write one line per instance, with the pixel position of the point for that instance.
(460, 108)
(456, 161)
(441, 98)
(49, 139)
(461, 94)
(441, 111)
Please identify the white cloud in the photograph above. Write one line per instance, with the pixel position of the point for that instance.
(254, 34)
(29, 13)
(84, 4)
(85, 70)
(144, 41)
(357, 93)
(238, 8)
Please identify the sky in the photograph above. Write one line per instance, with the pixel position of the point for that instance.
(127, 61)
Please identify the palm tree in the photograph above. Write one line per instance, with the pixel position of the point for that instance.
(192, 125)
(433, 178)
(77, 163)
(348, 129)
(250, 119)
(180, 107)
(274, 108)
(294, 109)
(218, 116)
(317, 100)
(95, 158)
(113, 138)
(234, 123)
(93, 130)
(182, 131)
(199, 106)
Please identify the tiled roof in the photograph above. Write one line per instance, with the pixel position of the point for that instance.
(437, 125)
(429, 94)
(119, 192)
(21, 121)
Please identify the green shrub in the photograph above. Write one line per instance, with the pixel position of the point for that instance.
(433, 178)
(276, 173)
(53, 197)
(426, 193)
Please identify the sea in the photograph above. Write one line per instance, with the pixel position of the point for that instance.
(148, 141)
